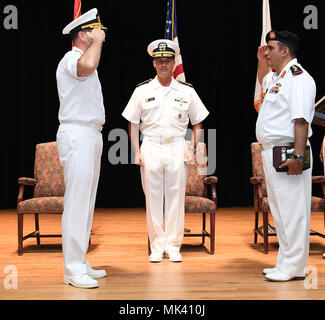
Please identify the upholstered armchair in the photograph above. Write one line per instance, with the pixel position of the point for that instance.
(201, 194)
(261, 204)
(48, 183)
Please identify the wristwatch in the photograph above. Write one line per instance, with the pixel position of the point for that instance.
(298, 157)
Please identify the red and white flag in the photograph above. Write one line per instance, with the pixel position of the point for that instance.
(258, 97)
(76, 10)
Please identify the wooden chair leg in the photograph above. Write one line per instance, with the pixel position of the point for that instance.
(203, 226)
(212, 232)
(37, 228)
(256, 227)
(149, 249)
(20, 233)
(266, 231)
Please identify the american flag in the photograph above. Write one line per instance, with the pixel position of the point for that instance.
(259, 94)
(171, 34)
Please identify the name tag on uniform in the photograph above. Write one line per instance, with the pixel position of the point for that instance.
(180, 100)
(150, 99)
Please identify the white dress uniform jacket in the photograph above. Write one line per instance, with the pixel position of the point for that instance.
(75, 93)
(79, 142)
(164, 111)
(163, 114)
(290, 95)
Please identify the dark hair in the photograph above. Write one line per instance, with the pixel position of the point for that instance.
(290, 40)
(293, 48)
(74, 35)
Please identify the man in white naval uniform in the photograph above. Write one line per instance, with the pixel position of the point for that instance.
(79, 142)
(285, 117)
(164, 106)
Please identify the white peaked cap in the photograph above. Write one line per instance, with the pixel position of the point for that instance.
(163, 48)
(90, 19)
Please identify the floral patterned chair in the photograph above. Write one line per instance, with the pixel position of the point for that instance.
(48, 183)
(261, 203)
(197, 199)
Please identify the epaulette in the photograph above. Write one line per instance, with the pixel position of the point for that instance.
(144, 82)
(296, 70)
(187, 84)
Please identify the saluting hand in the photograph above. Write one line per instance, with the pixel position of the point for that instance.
(261, 53)
(295, 167)
(97, 35)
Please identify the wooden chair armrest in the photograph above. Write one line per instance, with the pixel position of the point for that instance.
(256, 180)
(318, 179)
(23, 181)
(210, 180)
(27, 181)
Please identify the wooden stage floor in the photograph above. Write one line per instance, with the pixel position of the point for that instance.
(119, 244)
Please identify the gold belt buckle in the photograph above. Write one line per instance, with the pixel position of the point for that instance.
(261, 147)
(167, 140)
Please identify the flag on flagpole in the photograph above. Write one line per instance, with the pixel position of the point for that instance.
(171, 34)
(258, 96)
(76, 10)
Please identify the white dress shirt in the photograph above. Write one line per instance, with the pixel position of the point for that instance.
(164, 111)
(81, 98)
(288, 97)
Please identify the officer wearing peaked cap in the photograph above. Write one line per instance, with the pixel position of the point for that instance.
(161, 109)
(79, 142)
(285, 119)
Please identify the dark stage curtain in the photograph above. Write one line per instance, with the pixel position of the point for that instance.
(218, 41)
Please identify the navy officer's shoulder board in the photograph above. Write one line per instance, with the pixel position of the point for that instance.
(296, 70)
(144, 82)
(185, 83)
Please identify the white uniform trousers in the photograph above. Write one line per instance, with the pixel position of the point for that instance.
(290, 203)
(164, 178)
(80, 150)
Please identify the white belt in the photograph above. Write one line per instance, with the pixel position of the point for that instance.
(163, 140)
(93, 125)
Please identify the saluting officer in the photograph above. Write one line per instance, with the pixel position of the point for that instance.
(285, 117)
(161, 108)
(80, 144)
